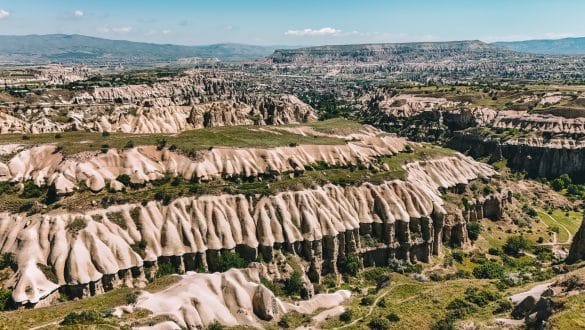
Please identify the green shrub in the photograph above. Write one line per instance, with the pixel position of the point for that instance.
(444, 324)
(160, 144)
(489, 269)
(118, 219)
(494, 251)
(76, 225)
(503, 306)
(31, 190)
(48, 272)
(473, 230)
(530, 211)
(515, 244)
(562, 182)
(139, 248)
(367, 300)
(284, 322)
(5, 299)
(83, 317)
(8, 260)
(165, 268)
(458, 255)
(393, 317)
(229, 259)
(131, 298)
(379, 324)
(374, 274)
(274, 287)
(294, 284)
(215, 326)
(124, 179)
(347, 315)
(51, 196)
(350, 264)
(480, 297)
(329, 281)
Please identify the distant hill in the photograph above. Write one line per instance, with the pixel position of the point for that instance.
(393, 52)
(61, 48)
(566, 46)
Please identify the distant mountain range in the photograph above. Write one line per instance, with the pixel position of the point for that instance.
(70, 49)
(566, 46)
(61, 48)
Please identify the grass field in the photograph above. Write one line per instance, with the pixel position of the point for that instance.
(417, 304)
(49, 317)
(188, 141)
(567, 222)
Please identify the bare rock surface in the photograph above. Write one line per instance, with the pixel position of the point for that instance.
(100, 249)
(233, 298)
(44, 164)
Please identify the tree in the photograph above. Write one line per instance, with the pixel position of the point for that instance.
(31, 190)
(294, 284)
(350, 265)
(516, 244)
(473, 230)
(561, 182)
(228, 260)
(379, 324)
(489, 269)
(51, 196)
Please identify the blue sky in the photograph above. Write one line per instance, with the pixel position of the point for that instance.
(300, 22)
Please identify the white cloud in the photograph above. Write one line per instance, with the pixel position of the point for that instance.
(165, 32)
(326, 31)
(78, 13)
(4, 13)
(122, 29)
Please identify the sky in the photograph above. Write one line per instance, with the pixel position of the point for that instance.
(298, 22)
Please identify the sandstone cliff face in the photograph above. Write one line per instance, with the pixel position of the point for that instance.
(537, 156)
(233, 298)
(577, 250)
(100, 249)
(539, 122)
(164, 117)
(490, 207)
(44, 164)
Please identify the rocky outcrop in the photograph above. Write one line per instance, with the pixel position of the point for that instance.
(577, 250)
(233, 298)
(538, 157)
(46, 165)
(164, 117)
(91, 252)
(523, 120)
(490, 207)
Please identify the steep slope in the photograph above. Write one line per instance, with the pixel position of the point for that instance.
(233, 298)
(95, 251)
(45, 164)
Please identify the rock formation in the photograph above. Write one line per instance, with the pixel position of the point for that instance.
(91, 252)
(577, 250)
(46, 165)
(233, 298)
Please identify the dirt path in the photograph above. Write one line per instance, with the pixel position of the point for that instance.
(373, 305)
(555, 242)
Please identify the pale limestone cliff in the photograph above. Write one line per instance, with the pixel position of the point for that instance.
(45, 164)
(100, 249)
(233, 298)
